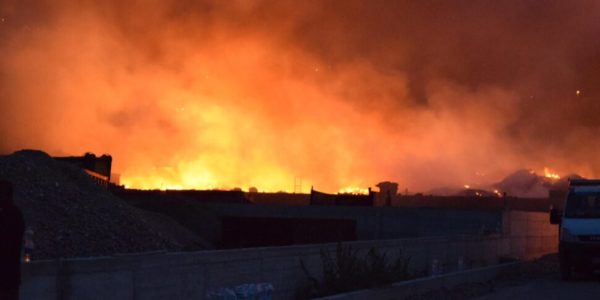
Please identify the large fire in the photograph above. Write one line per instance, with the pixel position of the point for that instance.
(210, 94)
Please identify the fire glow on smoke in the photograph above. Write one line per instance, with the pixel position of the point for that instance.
(332, 94)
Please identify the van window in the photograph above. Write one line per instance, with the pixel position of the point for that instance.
(583, 205)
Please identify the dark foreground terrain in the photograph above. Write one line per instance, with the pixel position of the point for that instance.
(71, 216)
(536, 280)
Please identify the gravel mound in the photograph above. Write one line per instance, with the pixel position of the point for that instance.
(71, 216)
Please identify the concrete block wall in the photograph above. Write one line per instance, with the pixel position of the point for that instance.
(191, 275)
(530, 233)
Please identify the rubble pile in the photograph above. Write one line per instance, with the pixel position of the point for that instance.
(71, 216)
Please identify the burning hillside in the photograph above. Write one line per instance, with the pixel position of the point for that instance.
(525, 183)
(521, 183)
(528, 183)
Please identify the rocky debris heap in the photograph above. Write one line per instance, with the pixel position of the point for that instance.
(71, 216)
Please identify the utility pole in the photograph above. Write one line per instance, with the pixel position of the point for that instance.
(297, 185)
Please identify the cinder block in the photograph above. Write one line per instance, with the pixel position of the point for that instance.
(192, 282)
(518, 228)
(226, 274)
(38, 287)
(518, 246)
(99, 285)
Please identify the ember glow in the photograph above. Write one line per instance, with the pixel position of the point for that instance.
(224, 94)
(548, 173)
(354, 191)
(497, 193)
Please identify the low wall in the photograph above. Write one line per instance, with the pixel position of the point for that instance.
(487, 202)
(531, 234)
(190, 275)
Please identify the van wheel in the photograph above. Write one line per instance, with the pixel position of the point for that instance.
(566, 271)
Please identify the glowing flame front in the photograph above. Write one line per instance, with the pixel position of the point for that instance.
(354, 191)
(548, 173)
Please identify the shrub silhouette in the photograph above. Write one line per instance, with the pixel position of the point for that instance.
(346, 269)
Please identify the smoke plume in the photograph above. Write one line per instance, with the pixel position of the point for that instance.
(222, 94)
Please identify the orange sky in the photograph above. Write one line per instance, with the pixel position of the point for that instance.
(223, 94)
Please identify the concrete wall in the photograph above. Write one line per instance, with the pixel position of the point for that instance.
(190, 275)
(476, 202)
(375, 223)
(531, 234)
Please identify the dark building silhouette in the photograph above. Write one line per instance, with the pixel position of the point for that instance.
(319, 198)
(278, 198)
(97, 167)
(244, 232)
(388, 192)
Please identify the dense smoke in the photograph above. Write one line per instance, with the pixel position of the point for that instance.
(336, 93)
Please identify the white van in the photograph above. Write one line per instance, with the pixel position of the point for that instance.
(579, 223)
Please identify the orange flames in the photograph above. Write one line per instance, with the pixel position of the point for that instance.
(230, 94)
(548, 173)
(354, 190)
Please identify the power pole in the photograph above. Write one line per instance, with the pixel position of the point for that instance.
(297, 185)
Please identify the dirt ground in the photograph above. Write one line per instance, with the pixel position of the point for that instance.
(539, 279)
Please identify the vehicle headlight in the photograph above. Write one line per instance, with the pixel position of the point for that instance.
(567, 236)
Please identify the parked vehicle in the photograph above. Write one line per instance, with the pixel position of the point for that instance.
(579, 223)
